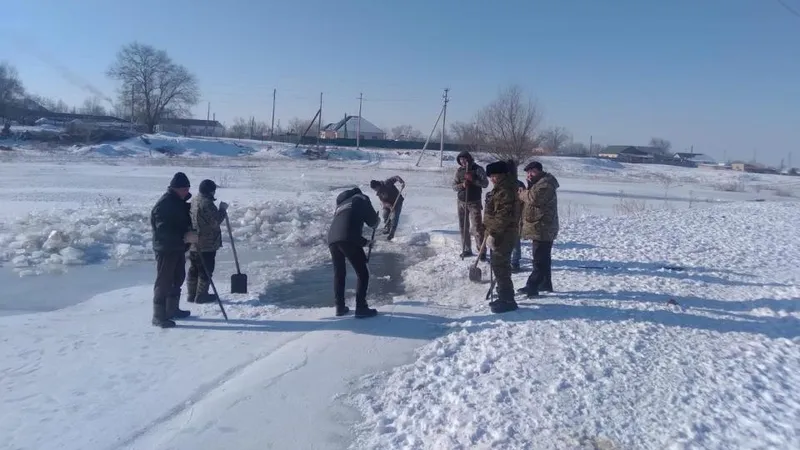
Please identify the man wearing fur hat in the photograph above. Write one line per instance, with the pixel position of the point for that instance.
(172, 234)
(502, 222)
(207, 220)
(387, 193)
(540, 225)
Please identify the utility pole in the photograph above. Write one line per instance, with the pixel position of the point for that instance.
(208, 117)
(692, 150)
(358, 124)
(590, 144)
(444, 119)
(214, 118)
(319, 120)
(272, 127)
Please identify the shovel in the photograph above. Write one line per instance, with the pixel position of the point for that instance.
(371, 243)
(214, 288)
(475, 271)
(238, 280)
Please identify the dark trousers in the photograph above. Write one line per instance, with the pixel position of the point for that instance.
(500, 264)
(198, 280)
(358, 259)
(541, 278)
(170, 274)
(390, 220)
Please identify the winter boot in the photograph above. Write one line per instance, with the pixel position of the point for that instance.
(528, 292)
(467, 254)
(363, 310)
(160, 316)
(202, 292)
(342, 310)
(173, 312)
(501, 306)
(505, 301)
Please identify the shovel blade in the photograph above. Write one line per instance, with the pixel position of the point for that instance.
(239, 283)
(475, 273)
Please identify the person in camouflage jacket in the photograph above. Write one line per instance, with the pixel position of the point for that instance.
(540, 225)
(469, 181)
(207, 221)
(502, 228)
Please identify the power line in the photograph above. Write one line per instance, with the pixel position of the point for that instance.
(789, 8)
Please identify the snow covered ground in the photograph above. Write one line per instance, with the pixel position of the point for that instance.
(675, 325)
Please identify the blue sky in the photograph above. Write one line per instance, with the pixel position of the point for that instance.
(721, 75)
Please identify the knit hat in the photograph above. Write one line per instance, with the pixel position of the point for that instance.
(496, 168)
(533, 165)
(179, 180)
(208, 187)
(374, 184)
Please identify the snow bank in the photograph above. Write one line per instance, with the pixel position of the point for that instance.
(166, 144)
(666, 331)
(590, 385)
(49, 241)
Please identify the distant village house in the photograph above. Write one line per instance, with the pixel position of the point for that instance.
(191, 127)
(349, 126)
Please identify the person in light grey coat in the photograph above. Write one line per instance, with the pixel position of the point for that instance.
(206, 220)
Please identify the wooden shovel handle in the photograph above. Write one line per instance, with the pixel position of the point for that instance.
(483, 246)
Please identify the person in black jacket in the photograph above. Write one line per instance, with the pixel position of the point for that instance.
(172, 236)
(346, 241)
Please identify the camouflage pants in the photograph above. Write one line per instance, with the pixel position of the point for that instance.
(469, 214)
(501, 266)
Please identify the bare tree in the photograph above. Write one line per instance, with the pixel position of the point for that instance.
(595, 149)
(509, 125)
(552, 139)
(298, 126)
(660, 143)
(57, 106)
(92, 106)
(574, 148)
(467, 134)
(239, 129)
(11, 89)
(161, 88)
(405, 133)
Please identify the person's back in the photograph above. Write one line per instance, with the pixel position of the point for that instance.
(353, 210)
(346, 242)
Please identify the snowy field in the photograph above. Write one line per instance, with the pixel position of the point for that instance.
(675, 324)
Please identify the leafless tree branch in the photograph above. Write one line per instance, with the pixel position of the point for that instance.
(160, 87)
(509, 125)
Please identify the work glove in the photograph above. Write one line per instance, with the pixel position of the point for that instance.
(223, 206)
(468, 176)
(490, 242)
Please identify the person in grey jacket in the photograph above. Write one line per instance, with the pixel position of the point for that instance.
(206, 220)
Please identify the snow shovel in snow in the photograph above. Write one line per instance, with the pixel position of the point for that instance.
(238, 280)
(475, 271)
(214, 288)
